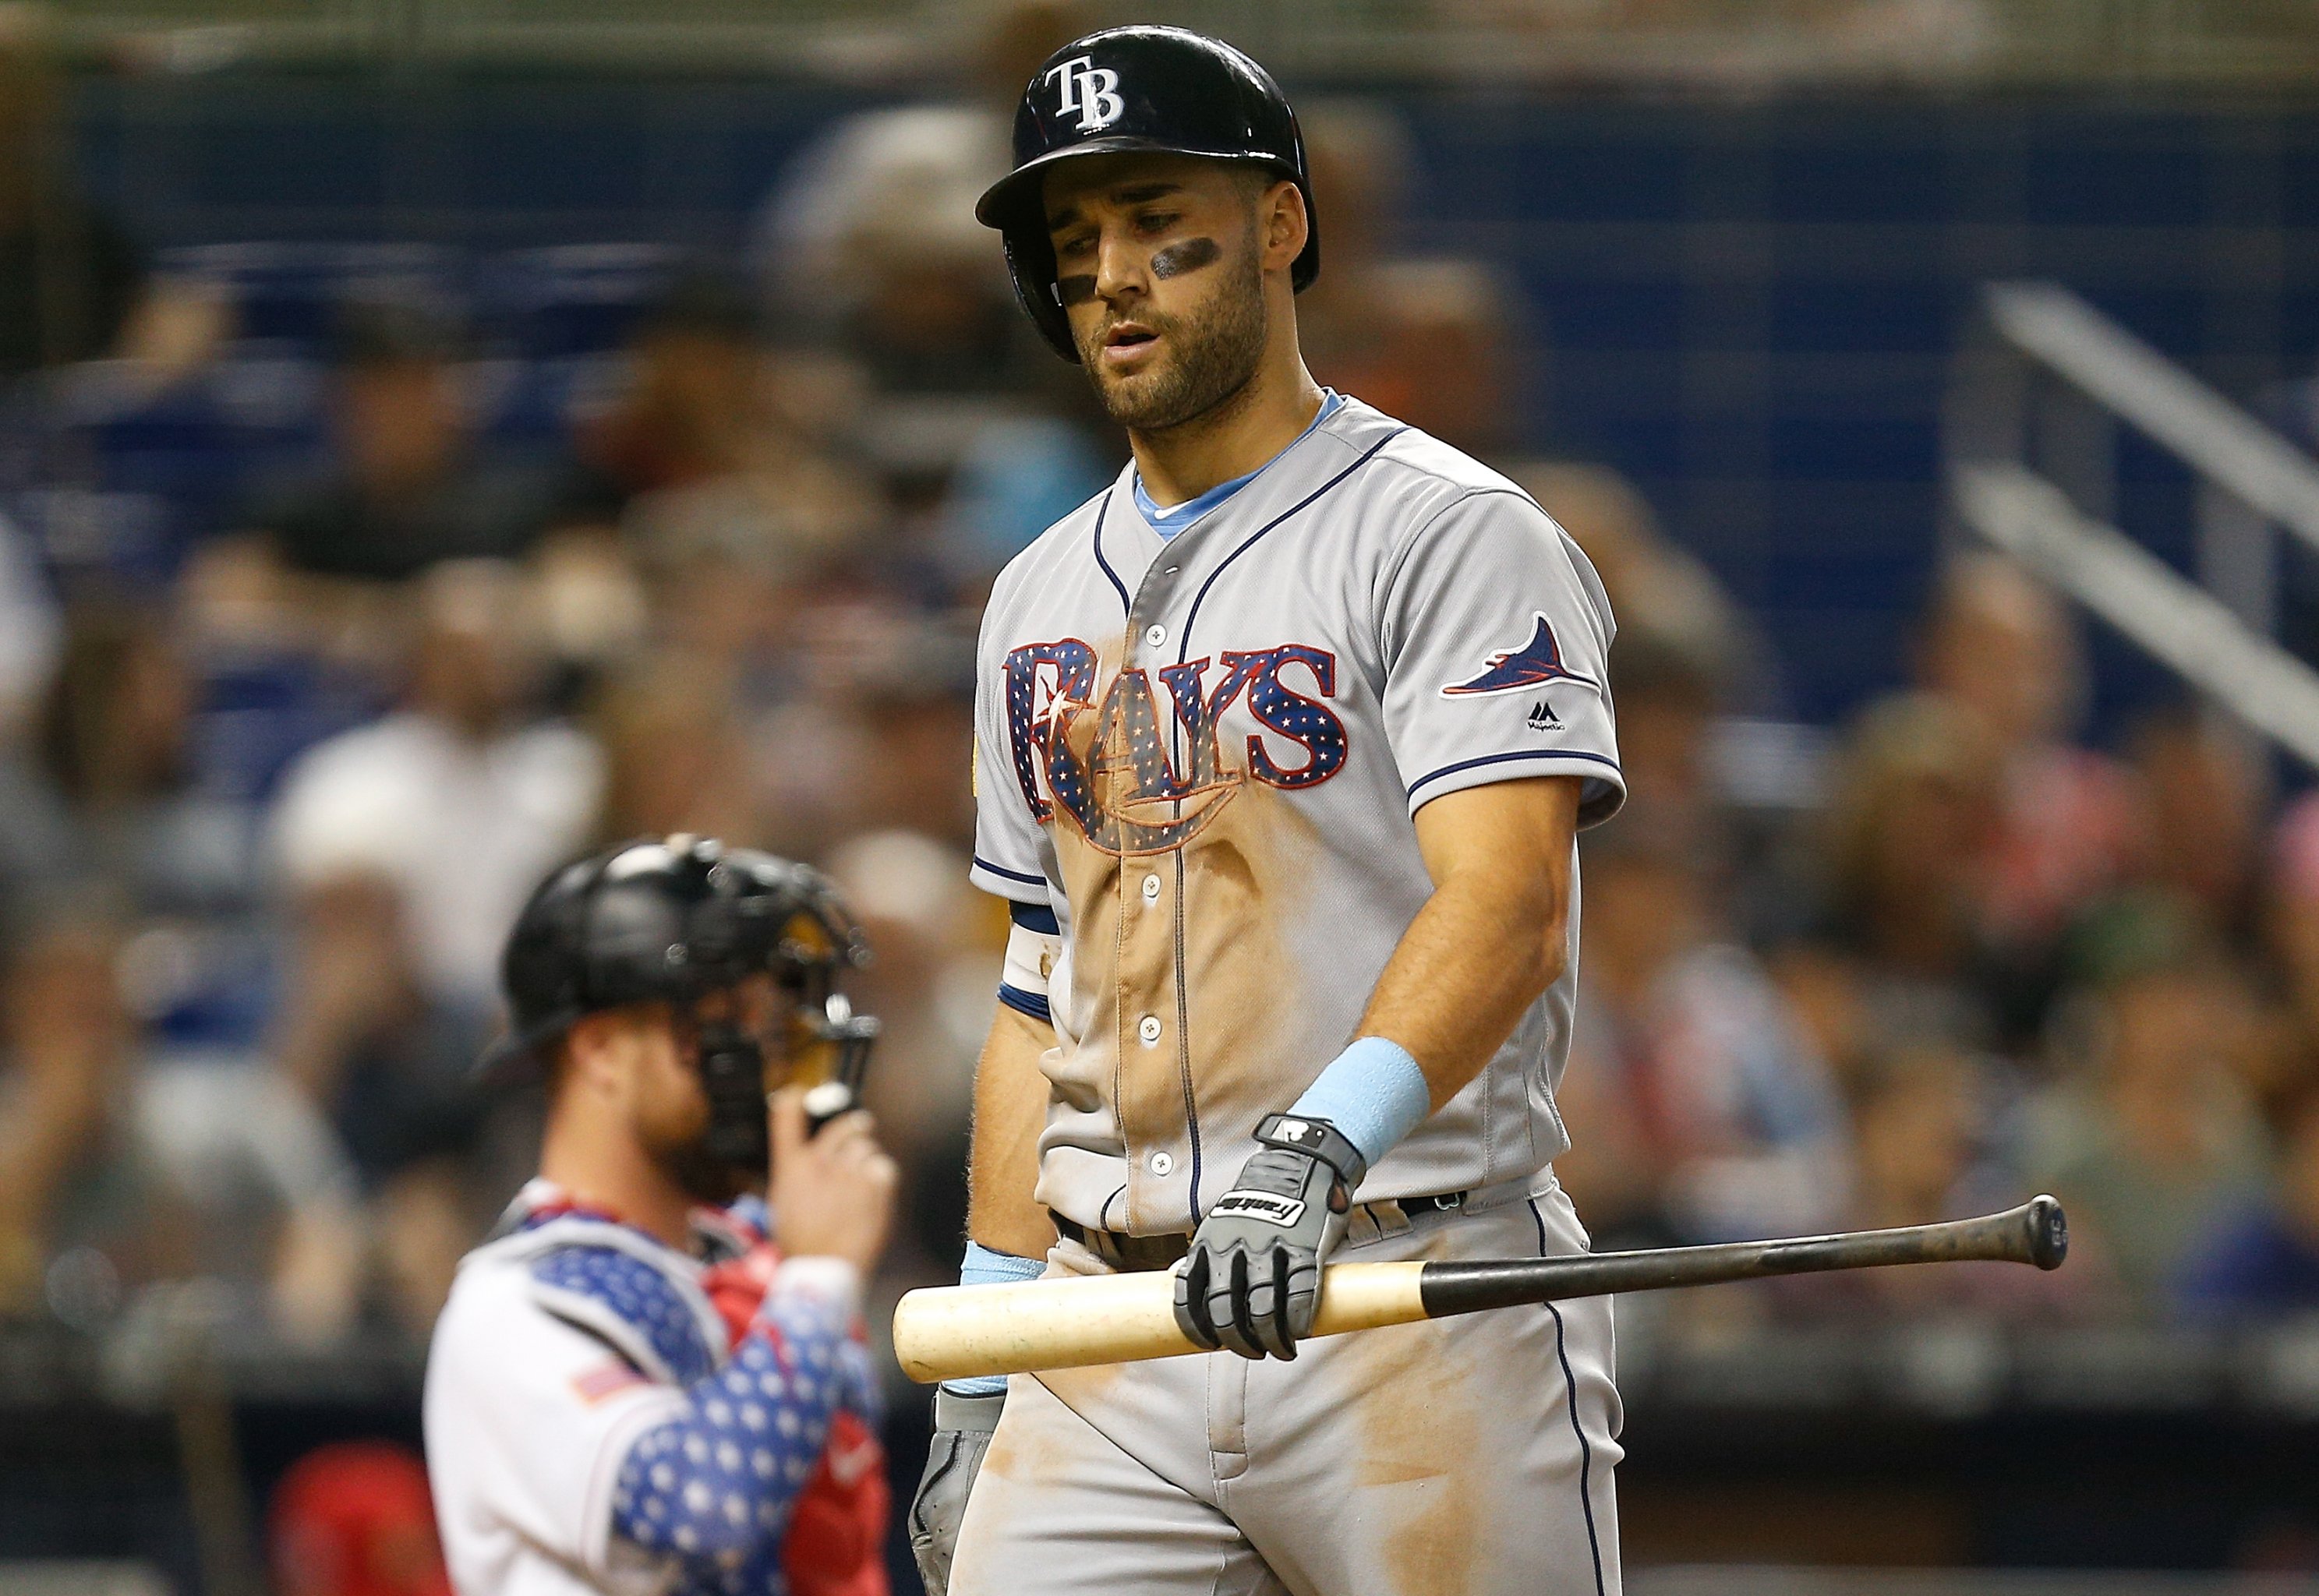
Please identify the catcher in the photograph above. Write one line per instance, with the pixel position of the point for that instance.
(644, 1381)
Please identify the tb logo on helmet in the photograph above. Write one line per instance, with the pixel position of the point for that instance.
(1087, 89)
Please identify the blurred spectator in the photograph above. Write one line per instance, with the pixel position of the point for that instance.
(126, 1166)
(2261, 1260)
(2001, 646)
(457, 805)
(877, 730)
(69, 278)
(705, 453)
(1660, 593)
(938, 948)
(2291, 932)
(2150, 1135)
(1454, 355)
(1700, 1106)
(117, 745)
(30, 633)
(1667, 699)
(1918, 1115)
(2201, 793)
(1361, 161)
(355, 1519)
(877, 203)
(408, 847)
(408, 485)
(35, 847)
(675, 757)
(1925, 1119)
(1906, 843)
(1437, 341)
(73, 1178)
(870, 247)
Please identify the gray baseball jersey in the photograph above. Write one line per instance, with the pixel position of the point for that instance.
(1206, 752)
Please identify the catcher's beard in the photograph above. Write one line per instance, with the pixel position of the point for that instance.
(678, 1144)
(1212, 354)
(701, 1176)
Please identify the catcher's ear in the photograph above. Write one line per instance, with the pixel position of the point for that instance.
(599, 1053)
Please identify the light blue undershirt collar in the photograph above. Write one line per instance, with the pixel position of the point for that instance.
(1170, 521)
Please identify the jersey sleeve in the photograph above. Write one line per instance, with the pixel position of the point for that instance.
(713, 1486)
(530, 1419)
(620, 1453)
(1496, 635)
(1006, 829)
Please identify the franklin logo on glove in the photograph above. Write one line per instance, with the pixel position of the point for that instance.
(1263, 1205)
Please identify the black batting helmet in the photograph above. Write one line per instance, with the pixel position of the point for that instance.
(1144, 88)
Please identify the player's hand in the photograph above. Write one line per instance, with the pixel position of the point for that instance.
(962, 1427)
(831, 1195)
(1252, 1278)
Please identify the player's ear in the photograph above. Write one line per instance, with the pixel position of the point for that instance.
(1283, 224)
(598, 1054)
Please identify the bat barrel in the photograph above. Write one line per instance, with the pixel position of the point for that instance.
(2034, 1233)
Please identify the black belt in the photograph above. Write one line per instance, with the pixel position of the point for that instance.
(1136, 1255)
(1130, 1255)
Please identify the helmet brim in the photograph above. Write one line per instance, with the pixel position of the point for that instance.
(515, 1055)
(1011, 202)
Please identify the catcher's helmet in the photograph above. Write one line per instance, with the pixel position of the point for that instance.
(671, 921)
(1144, 88)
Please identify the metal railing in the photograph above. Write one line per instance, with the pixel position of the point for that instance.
(2034, 473)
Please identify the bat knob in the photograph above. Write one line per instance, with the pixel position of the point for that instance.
(2049, 1232)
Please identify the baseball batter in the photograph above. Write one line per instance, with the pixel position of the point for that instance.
(633, 1388)
(1283, 743)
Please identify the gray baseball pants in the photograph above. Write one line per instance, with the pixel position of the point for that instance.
(1469, 1455)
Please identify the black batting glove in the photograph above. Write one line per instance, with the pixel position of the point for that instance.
(1252, 1278)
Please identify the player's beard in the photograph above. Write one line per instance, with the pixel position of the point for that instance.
(678, 1146)
(1211, 355)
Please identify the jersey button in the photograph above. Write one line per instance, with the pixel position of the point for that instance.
(1162, 1163)
(1153, 636)
(1150, 890)
(1148, 1028)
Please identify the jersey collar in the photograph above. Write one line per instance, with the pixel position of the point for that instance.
(1167, 523)
(717, 1233)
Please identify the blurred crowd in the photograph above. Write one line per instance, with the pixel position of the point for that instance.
(344, 591)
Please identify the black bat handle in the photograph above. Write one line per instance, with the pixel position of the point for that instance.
(2036, 1232)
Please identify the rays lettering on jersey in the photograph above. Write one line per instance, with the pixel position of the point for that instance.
(1110, 766)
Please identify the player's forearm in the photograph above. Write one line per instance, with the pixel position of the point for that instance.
(1010, 1111)
(1482, 949)
(1492, 937)
(750, 1434)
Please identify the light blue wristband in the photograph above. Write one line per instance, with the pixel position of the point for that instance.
(982, 1266)
(1373, 1093)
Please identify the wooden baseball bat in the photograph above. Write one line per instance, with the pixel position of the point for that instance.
(959, 1331)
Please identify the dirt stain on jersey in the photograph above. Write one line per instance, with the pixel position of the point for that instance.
(1248, 880)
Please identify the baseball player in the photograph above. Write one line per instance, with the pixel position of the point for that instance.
(1283, 743)
(635, 1388)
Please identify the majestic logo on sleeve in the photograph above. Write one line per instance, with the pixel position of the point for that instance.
(1534, 664)
(1136, 779)
(1090, 90)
